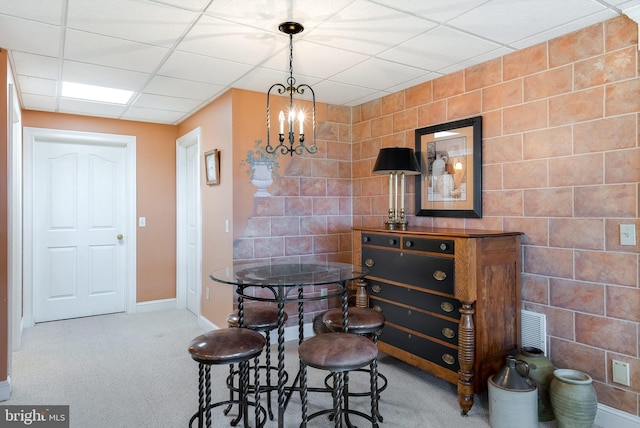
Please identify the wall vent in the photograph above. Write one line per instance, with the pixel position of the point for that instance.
(534, 330)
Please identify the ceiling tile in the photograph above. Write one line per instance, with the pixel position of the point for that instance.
(99, 75)
(144, 22)
(378, 73)
(222, 39)
(508, 21)
(435, 10)
(112, 52)
(202, 69)
(168, 103)
(341, 93)
(269, 14)
(438, 48)
(310, 59)
(171, 87)
(47, 11)
(90, 108)
(368, 28)
(194, 5)
(29, 36)
(35, 65)
(152, 115)
(38, 102)
(37, 86)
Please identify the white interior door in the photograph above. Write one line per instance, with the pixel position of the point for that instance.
(79, 226)
(189, 222)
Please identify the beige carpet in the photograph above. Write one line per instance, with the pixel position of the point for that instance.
(134, 371)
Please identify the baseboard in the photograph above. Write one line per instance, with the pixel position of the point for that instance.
(5, 389)
(608, 417)
(155, 305)
(205, 324)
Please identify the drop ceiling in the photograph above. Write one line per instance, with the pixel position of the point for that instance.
(179, 55)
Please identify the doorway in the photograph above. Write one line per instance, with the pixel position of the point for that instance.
(80, 230)
(189, 222)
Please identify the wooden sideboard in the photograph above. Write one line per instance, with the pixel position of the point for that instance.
(451, 299)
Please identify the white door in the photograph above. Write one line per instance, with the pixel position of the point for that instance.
(189, 223)
(192, 268)
(79, 225)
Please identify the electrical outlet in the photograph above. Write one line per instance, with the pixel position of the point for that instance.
(323, 292)
(627, 234)
(206, 293)
(142, 222)
(621, 372)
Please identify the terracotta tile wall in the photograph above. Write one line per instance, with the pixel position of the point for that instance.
(561, 163)
(308, 216)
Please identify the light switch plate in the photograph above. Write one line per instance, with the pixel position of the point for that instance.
(621, 372)
(627, 234)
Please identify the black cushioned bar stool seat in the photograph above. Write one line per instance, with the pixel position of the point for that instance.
(365, 321)
(337, 353)
(361, 320)
(263, 319)
(226, 346)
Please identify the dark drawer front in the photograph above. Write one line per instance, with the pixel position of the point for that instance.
(431, 351)
(442, 246)
(447, 306)
(430, 272)
(381, 240)
(438, 328)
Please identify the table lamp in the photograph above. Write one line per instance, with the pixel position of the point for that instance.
(396, 161)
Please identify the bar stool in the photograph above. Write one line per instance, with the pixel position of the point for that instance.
(337, 353)
(227, 346)
(365, 322)
(263, 319)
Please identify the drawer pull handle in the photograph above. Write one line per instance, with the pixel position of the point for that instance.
(446, 306)
(408, 244)
(377, 308)
(376, 288)
(369, 263)
(366, 239)
(448, 358)
(443, 246)
(409, 336)
(448, 333)
(439, 275)
(409, 312)
(392, 242)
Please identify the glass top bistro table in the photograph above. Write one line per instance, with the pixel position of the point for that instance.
(284, 283)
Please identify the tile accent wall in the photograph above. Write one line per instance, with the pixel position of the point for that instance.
(308, 215)
(562, 165)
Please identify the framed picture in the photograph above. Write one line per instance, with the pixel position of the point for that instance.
(450, 158)
(212, 166)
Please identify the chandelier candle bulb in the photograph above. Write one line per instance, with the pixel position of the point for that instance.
(281, 119)
(301, 120)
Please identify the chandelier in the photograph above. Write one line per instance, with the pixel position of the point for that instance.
(288, 141)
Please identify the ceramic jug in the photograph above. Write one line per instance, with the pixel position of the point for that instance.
(513, 397)
(541, 372)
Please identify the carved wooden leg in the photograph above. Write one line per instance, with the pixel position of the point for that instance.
(466, 357)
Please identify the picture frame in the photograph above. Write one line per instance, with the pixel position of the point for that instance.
(450, 159)
(212, 166)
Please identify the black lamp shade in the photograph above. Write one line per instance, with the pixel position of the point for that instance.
(396, 159)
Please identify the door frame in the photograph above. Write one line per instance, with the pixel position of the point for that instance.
(128, 142)
(189, 139)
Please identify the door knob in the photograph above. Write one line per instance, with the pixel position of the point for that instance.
(120, 236)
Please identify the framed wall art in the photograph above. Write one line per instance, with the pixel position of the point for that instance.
(212, 166)
(450, 158)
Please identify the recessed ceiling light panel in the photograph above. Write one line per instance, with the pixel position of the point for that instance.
(81, 91)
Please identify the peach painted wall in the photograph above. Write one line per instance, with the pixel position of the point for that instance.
(561, 163)
(156, 193)
(5, 79)
(215, 121)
